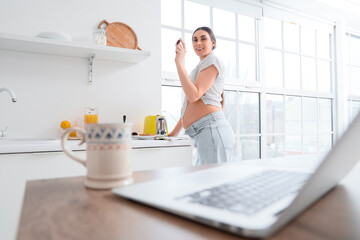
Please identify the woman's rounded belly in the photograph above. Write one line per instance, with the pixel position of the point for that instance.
(195, 111)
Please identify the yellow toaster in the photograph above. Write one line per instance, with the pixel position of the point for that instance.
(156, 125)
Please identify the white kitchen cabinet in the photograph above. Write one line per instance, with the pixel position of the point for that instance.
(154, 158)
(16, 169)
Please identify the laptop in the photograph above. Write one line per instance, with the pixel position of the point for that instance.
(248, 200)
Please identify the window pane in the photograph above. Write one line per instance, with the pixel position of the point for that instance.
(293, 145)
(310, 144)
(310, 116)
(171, 104)
(171, 12)
(354, 109)
(325, 117)
(168, 40)
(308, 41)
(196, 15)
(350, 118)
(323, 44)
(354, 80)
(325, 143)
(293, 115)
(349, 111)
(226, 51)
(292, 71)
(347, 57)
(236, 154)
(273, 68)
(246, 27)
(249, 108)
(272, 32)
(308, 74)
(191, 59)
(346, 49)
(324, 80)
(291, 37)
(224, 23)
(275, 146)
(247, 62)
(354, 56)
(275, 113)
(230, 109)
(250, 147)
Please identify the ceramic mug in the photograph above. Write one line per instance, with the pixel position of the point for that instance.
(108, 151)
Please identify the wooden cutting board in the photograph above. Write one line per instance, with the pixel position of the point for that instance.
(119, 34)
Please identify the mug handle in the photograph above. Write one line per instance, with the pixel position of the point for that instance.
(67, 150)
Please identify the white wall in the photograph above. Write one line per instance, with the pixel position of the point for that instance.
(51, 89)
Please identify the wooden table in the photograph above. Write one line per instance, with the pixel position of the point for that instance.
(65, 209)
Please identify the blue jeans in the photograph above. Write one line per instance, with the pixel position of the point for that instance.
(214, 138)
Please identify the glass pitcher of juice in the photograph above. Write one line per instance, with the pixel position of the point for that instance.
(91, 115)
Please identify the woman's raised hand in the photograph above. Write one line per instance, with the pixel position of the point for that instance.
(180, 51)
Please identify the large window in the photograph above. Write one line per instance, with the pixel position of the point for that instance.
(353, 73)
(298, 62)
(243, 112)
(278, 87)
(297, 57)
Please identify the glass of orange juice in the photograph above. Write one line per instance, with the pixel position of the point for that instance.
(91, 115)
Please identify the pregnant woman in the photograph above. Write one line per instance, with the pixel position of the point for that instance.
(201, 114)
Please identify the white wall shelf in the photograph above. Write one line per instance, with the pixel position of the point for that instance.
(70, 49)
(89, 51)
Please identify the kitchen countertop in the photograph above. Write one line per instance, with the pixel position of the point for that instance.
(24, 145)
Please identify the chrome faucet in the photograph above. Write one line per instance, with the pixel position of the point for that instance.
(3, 133)
(12, 94)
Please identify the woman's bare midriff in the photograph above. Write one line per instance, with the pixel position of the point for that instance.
(197, 110)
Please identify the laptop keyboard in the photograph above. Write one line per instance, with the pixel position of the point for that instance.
(251, 194)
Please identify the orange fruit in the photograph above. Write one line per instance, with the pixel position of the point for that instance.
(65, 124)
(72, 134)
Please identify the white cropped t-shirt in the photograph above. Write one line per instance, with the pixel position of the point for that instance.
(213, 95)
